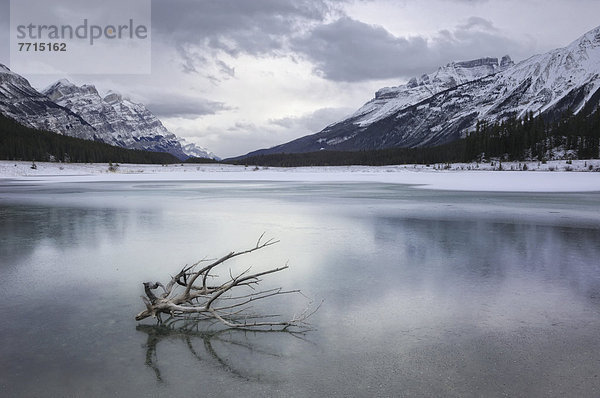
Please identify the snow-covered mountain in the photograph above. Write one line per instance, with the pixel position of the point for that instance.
(445, 105)
(120, 121)
(21, 102)
(81, 112)
(193, 150)
(389, 100)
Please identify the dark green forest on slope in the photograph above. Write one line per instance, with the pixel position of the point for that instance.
(18, 142)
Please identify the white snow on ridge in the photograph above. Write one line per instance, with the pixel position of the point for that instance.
(117, 120)
(553, 74)
(539, 178)
(193, 150)
(389, 100)
(81, 112)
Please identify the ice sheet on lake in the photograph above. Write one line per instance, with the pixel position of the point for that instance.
(463, 177)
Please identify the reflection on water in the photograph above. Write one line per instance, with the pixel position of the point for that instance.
(24, 227)
(471, 251)
(426, 293)
(232, 350)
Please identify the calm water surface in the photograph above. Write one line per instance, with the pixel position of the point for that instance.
(426, 293)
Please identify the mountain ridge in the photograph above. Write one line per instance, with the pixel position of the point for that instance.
(81, 112)
(125, 123)
(566, 78)
(21, 102)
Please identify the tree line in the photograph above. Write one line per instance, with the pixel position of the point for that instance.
(18, 142)
(529, 138)
(536, 138)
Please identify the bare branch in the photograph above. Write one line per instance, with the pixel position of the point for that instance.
(199, 300)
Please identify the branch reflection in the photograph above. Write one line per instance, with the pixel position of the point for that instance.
(227, 349)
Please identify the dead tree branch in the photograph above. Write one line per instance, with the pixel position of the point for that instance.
(189, 295)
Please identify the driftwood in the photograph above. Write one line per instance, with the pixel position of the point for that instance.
(193, 294)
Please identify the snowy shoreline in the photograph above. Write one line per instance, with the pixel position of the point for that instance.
(553, 176)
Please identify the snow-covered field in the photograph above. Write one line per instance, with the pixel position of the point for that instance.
(554, 176)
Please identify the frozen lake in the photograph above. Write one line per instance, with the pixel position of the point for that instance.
(426, 293)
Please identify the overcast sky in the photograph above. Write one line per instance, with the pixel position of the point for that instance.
(239, 75)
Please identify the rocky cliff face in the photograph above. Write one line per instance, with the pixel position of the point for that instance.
(392, 99)
(440, 107)
(21, 102)
(80, 111)
(118, 121)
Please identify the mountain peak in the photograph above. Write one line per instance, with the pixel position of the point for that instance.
(64, 82)
(64, 88)
(8, 76)
(589, 40)
(487, 61)
(193, 150)
(88, 89)
(57, 84)
(506, 62)
(390, 99)
(593, 36)
(112, 97)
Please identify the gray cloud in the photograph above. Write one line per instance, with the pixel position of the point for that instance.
(478, 22)
(255, 27)
(312, 122)
(184, 106)
(245, 136)
(350, 50)
(343, 50)
(477, 38)
(226, 69)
